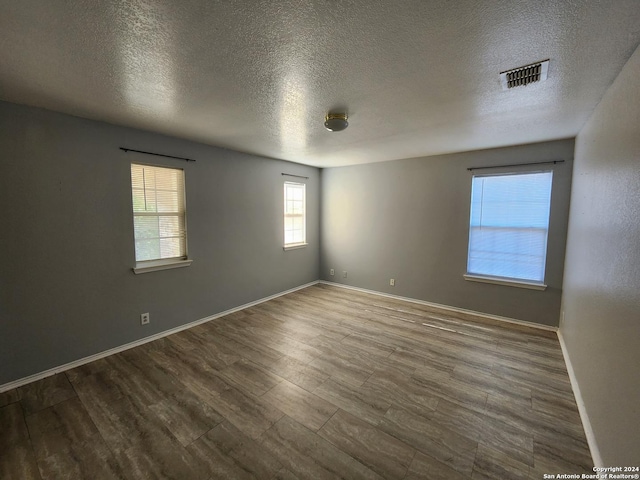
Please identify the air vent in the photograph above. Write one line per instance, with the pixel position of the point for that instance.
(521, 76)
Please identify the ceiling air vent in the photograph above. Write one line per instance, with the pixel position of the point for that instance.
(521, 76)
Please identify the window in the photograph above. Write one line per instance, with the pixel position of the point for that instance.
(294, 215)
(159, 217)
(508, 227)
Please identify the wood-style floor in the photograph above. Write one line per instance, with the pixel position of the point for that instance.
(321, 383)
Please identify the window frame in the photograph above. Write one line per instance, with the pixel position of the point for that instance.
(303, 243)
(510, 281)
(152, 265)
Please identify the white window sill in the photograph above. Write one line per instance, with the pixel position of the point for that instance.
(156, 265)
(505, 281)
(294, 246)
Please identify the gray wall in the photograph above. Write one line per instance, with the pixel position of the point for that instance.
(67, 238)
(601, 301)
(409, 220)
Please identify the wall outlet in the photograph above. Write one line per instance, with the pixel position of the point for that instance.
(332, 272)
(344, 273)
(144, 318)
(392, 282)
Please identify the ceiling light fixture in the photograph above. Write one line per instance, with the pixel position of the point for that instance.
(336, 122)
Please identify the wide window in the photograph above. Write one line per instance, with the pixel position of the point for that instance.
(159, 214)
(294, 215)
(509, 226)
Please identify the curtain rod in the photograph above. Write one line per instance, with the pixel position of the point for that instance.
(157, 154)
(516, 165)
(291, 175)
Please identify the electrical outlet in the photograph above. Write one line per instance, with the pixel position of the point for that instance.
(332, 272)
(392, 282)
(344, 273)
(144, 318)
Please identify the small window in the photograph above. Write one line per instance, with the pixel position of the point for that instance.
(509, 226)
(294, 215)
(159, 215)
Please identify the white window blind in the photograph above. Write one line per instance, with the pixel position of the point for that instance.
(294, 214)
(159, 215)
(509, 225)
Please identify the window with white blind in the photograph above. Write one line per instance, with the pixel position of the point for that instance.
(508, 227)
(159, 217)
(294, 215)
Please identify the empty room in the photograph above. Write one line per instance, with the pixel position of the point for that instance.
(319, 239)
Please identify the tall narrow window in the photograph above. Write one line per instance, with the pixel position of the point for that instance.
(159, 214)
(294, 215)
(509, 226)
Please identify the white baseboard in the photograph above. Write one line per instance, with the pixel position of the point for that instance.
(445, 307)
(76, 363)
(586, 424)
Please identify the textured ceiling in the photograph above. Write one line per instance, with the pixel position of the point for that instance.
(417, 77)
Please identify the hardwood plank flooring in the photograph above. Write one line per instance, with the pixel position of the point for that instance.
(320, 383)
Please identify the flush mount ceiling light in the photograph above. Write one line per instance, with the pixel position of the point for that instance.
(336, 122)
